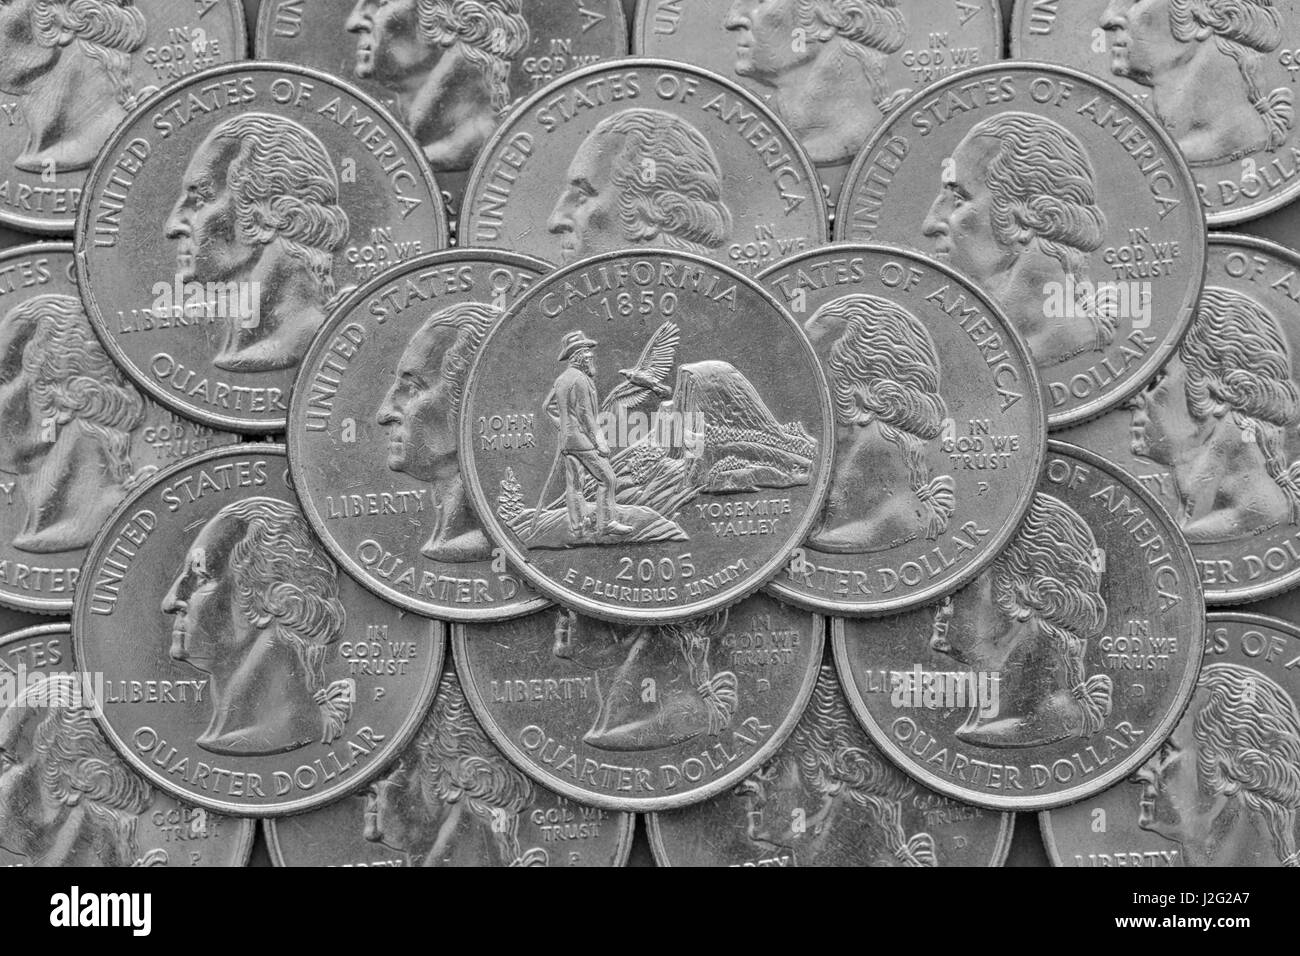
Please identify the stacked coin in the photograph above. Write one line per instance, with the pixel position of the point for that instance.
(454, 433)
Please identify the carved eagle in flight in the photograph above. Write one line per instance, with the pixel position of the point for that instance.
(646, 378)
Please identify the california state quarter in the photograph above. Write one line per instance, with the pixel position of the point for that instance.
(78, 437)
(241, 670)
(66, 799)
(1220, 790)
(831, 69)
(449, 69)
(641, 716)
(663, 469)
(452, 799)
(374, 435)
(1214, 434)
(830, 798)
(72, 70)
(1219, 76)
(226, 218)
(1066, 203)
(1060, 669)
(638, 153)
(939, 428)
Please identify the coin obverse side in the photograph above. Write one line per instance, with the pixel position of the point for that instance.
(663, 470)
(242, 671)
(644, 153)
(641, 717)
(373, 435)
(829, 798)
(939, 428)
(1011, 694)
(1220, 77)
(832, 70)
(1220, 791)
(224, 220)
(78, 436)
(1071, 208)
(452, 799)
(71, 72)
(1214, 434)
(449, 69)
(66, 799)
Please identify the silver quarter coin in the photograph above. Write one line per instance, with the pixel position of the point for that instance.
(1220, 77)
(1221, 789)
(1214, 434)
(224, 220)
(374, 435)
(72, 70)
(831, 69)
(939, 428)
(830, 798)
(1011, 693)
(66, 799)
(449, 69)
(241, 670)
(638, 153)
(452, 799)
(664, 469)
(78, 436)
(1067, 204)
(641, 717)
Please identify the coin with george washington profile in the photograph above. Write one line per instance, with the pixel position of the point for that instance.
(242, 670)
(79, 436)
(226, 219)
(1060, 669)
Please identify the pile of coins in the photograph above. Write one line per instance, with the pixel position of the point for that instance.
(469, 424)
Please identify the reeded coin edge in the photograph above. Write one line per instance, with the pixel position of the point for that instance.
(460, 654)
(780, 589)
(517, 114)
(609, 612)
(1156, 358)
(1181, 698)
(394, 744)
(104, 162)
(299, 396)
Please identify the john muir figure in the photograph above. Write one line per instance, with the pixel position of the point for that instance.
(259, 205)
(66, 799)
(884, 374)
(642, 177)
(1225, 786)
(453, 799)
(447, 62)
(1028, 619)
(1218, 416)
(573, 406)
(1017, 211)
(69, 64)
(257, 608)
(421, 412)
(825, 62)
(1204, 61)
(68, 418)
(854, 801)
